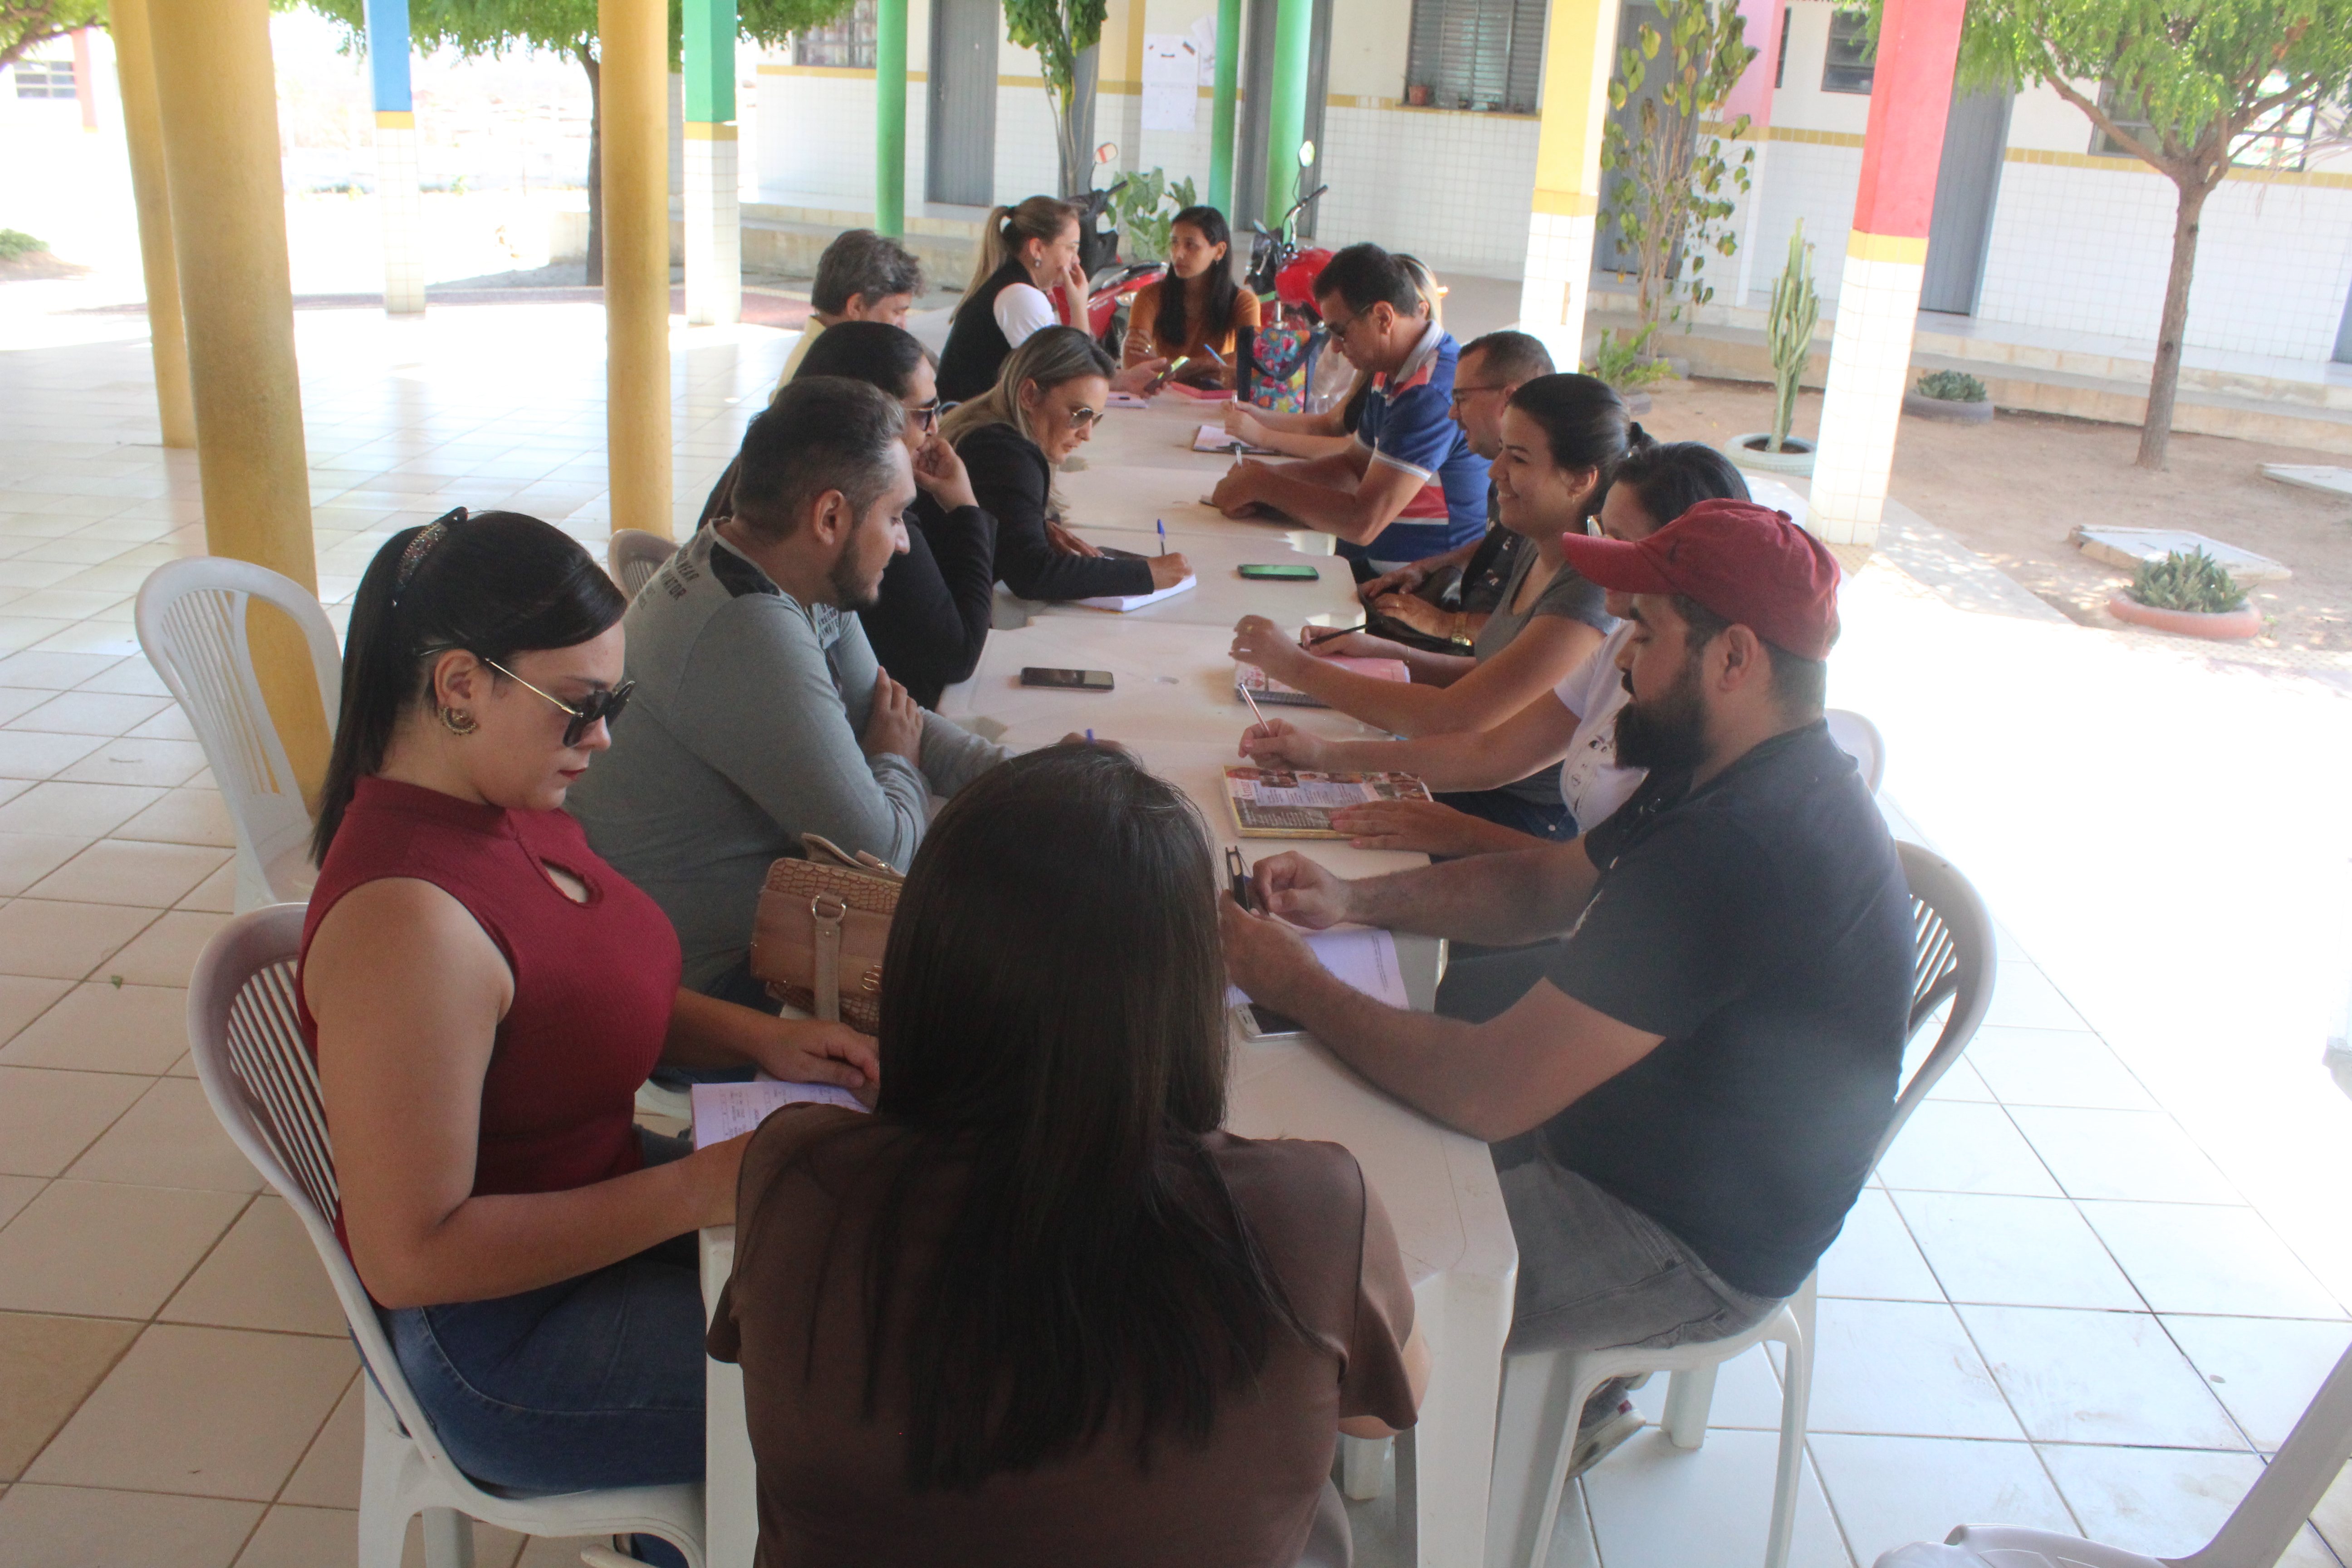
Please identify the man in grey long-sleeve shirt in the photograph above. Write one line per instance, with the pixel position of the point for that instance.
(760, 713)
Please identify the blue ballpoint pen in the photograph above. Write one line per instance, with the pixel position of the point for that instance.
(1162, 527)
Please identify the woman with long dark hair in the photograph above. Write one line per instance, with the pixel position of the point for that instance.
(483, 996)
(1563, 436)
(1573, 725)
(1037, 1309)
(1196, 306)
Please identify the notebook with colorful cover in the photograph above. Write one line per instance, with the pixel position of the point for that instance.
(1295, 802)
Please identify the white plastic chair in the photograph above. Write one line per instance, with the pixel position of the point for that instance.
(1858, 738)
(1953, 957)
(192, 626)
(633, 555)
(258, 1076)
(2255, 1535)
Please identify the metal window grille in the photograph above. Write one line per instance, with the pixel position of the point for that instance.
(1781, 63)
(848, 42)
(45, 78)
(1478, 54)
(1852, 59)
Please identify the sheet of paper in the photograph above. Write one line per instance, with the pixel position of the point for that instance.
(1123, 603)
(1171, 79)
(1364, 957)
(1217, 438)
(724, 1111)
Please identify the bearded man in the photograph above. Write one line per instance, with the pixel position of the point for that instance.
(1683, 1101)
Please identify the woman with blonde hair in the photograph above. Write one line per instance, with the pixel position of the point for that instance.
(1044, 406)
(1026, 252)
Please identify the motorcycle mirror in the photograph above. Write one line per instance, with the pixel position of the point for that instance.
(1307, 154)
(1108, 151)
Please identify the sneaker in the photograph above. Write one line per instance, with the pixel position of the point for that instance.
(1597, 1441)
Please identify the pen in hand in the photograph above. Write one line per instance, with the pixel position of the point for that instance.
(1316, 638)
(1162, 527)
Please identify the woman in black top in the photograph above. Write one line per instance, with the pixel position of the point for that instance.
(930, 624)
(1027, 254)
(1042, 408)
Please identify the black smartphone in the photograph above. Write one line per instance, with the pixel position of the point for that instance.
(1067, 679)
(1282, 572)
(1266, 1024)
(1113, 553)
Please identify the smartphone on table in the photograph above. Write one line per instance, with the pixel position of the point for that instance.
(1067, 679)
(1279, 572)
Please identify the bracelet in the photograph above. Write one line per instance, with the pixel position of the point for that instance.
(1461, 636)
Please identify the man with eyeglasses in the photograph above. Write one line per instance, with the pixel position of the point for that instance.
(1410, 487)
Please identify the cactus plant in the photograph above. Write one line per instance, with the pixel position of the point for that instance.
(2189, 580)
(1789, 330)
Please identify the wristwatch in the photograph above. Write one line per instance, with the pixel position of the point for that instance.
(1460, 636)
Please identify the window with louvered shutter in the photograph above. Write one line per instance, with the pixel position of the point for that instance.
(848, 42)
(1478, 54)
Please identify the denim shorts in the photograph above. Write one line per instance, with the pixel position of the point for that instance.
(1596, 1273)
(594, 1381)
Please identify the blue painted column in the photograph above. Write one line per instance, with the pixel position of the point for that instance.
(398, 204)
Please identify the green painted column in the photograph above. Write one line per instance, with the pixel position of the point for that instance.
(890, 117)
(1221, 103)
(714, 214)
(1286, 119)
(709, 61)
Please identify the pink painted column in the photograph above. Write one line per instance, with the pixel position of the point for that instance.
(1886, 254)
(1752, 96)
(85, 87)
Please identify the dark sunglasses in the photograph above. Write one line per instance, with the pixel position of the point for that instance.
(605, 705)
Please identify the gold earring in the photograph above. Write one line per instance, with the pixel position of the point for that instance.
(456, 721)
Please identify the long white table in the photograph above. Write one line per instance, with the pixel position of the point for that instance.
(1173, 705)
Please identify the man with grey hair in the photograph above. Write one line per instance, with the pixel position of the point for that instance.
(862, 277)
(761, 713)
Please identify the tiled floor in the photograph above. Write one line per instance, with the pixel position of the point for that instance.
(2054, 1308)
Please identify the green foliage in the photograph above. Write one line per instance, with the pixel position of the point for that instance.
(2193, 581)
(1619, 360)
(15, 242)
(26, 25)
(1673, 193)
(2203, 74)
(1146, 209)
(1788, 331)
(565, 26)
(1952, 386)
(1060, 31)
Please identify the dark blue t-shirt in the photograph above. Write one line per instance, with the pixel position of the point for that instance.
(1762, 925)
(1407, 422)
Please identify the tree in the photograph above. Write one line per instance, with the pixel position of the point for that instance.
(1670, 205)
(1060, 31)
(2206, 77)
(26, 25)
(567, 27)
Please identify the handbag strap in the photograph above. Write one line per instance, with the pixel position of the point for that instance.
(827, 910)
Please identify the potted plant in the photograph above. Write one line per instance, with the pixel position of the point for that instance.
(2188, 594)
(1952, 395)
(1619, 361)
(1788, 332)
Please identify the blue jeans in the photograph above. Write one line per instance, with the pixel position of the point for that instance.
(1543, 819)
(592, 1383)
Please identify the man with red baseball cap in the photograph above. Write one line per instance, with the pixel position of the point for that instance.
(1686, 1089)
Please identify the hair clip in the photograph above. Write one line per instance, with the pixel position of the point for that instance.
(420, 546)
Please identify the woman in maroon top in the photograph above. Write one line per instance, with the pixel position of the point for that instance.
(484, 995)
(1037, 1309)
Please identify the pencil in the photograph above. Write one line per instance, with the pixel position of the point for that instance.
(1327, 634)
(1252, 706)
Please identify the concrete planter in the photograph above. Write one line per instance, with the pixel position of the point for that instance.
(1795, 455)
(1636, 400)
(1947, 409)
(2225, 625)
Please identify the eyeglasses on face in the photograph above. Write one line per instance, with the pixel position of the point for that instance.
(582, 716)
(926, 416)
(1083, 416)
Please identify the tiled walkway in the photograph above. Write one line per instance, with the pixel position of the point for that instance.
(2055, 1308)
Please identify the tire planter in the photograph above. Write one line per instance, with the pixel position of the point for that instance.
(2225, 625)
(1795, 455)
(1945, 409)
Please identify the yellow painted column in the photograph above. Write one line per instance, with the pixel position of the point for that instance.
(1580, 45)
(134, 65)
(216, 89)
(633, 35)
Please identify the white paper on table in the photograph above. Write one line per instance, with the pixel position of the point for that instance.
(1122, 603)
(1217, 438)
(1363, 956)
(724, 1111)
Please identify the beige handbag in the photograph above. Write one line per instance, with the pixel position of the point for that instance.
(822, 924)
